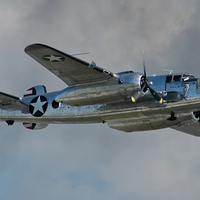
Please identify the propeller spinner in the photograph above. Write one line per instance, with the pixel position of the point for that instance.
(144, 87)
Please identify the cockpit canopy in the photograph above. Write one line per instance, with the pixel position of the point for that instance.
(180, 77)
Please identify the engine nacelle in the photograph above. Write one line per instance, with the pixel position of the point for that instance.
(117, 89)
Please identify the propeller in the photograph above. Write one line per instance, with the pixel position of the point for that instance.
(144, 87)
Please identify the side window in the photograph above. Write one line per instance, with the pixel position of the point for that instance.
(177, 78)
(169, 79)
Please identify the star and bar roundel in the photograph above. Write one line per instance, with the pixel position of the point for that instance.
(53, 58)
(38, 106)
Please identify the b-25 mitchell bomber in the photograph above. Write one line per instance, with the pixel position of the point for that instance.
(127, 101)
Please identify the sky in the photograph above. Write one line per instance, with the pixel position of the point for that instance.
(92, 161)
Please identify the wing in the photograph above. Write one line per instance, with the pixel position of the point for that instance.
(193, 129)
(147, 118)
(9, 102)
(71, 70)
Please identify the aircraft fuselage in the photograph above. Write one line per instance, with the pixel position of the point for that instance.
(106, 112)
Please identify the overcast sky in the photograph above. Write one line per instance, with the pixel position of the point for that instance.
(89, 162)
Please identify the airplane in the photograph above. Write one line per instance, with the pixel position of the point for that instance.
(127, 101)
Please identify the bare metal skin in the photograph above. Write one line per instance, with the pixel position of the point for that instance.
(127, 101)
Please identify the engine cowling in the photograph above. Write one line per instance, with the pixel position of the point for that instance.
(117, 89)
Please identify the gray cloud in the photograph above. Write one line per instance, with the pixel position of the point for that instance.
(93, 161)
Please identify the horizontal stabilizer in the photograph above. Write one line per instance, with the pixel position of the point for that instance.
(10, 102)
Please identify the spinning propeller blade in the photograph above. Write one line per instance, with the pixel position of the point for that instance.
(146, 86)
(156, 95)
(136, 96)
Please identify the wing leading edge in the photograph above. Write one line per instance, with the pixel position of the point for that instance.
(71, 70)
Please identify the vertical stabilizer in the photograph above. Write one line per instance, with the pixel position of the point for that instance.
(36, 90)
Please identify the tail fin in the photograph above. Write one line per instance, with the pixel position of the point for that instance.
(36, 90)
(35, 126)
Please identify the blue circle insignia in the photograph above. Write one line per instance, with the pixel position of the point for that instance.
(38, 106)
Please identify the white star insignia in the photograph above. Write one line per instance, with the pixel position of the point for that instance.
(52, 58)
(38, 105)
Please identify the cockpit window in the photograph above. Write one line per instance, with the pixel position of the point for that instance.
(177, 78)
(185, 77)
(169, 79)
(180, 77)
(188, 77)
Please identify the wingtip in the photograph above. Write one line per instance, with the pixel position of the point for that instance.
(34, 46)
